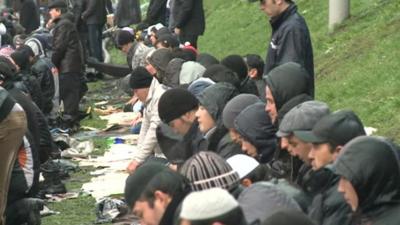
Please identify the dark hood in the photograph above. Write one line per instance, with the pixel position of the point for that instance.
(291, 104)
(287, 81)
(172, 72)
(215, 97)
(206, 60)
(262, 199)
(255, 125)
(220, 73)
(371, 165)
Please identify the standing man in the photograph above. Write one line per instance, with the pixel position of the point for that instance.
(188, 16)
(68, 58)
(290, 39)
(95, 16)
(29, 16)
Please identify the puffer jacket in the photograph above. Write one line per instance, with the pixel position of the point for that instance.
(67, 49)
(377, 185)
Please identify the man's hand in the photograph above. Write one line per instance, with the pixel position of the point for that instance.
(177, 31)
(132, 166)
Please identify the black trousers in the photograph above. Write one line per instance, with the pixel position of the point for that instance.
(70, 94)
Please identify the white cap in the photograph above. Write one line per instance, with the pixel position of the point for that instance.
(207, 204)
(242, 164)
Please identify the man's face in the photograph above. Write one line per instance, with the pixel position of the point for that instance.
(249, 149)
(270, 107)
(141, 93)
(54, 13)
(206, 122)
(299, 148)
(321, 155)
(349, 193)
(271, 7)
(148, 215)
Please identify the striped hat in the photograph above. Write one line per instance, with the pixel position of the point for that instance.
(207, 170)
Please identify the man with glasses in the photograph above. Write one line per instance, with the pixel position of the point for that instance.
(290, 39)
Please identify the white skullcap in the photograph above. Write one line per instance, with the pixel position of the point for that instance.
(242, 164)
(207, 204)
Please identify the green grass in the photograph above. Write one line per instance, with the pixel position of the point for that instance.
(356, 66)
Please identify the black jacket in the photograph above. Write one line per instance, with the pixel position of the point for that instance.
(189, 16)
(28, 84)
(254, 125)
(157, 12)
(29, 16)
(214, 99)
(328, 206)
(372, 167)
(128, 12)
(290, 42)
(37, 125)
(41, 69)
(95, 12)
(67, 48)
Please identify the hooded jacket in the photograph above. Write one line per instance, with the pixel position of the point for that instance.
(214, 99)
(254, 125)
(262, 199)
(290, 42)
(371, 166)
(328, 205)
(287, 81)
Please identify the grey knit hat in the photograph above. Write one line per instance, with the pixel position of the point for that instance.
(235, 106)
(206, 170)
(160, 59)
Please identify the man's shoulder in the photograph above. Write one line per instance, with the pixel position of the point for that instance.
(294, 22)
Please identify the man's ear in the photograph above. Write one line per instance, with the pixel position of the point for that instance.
(337, 151)
(253, 73)
(246, 182)
(162, 197)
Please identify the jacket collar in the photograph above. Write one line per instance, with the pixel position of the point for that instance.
(277, 21)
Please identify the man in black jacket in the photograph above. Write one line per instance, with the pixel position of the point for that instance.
(29, 16)
(290, 39)
(189, 22)
(177, 108)
(68, 58)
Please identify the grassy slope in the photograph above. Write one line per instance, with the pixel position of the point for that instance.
(356, 67)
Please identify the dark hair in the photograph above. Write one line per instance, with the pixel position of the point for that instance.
(233, 217)
(254, 61)
(168, 182)
(260, 173)
(184, 54)
(220, 73)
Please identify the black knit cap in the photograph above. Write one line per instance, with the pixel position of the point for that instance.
(140, 78)
(136, 182)
(59, 4)
(174, 103)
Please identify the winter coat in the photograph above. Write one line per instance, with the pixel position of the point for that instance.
(29, 16)
(287, 81)
(157, 12)
(255, 126)
(95, 12)
(262, 199)
(28, 84)
(67, 49)
(214, 99)
(371, 166)
(147, 141)
(128, 12)
(328, 206)
(6, 103)
(189, 17)
(290, 42)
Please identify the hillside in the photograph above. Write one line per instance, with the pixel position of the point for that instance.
(357, 67)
